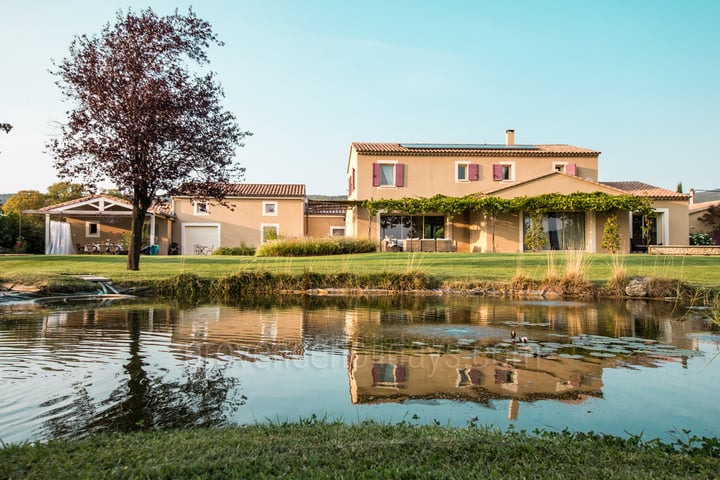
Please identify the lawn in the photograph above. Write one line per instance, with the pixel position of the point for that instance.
(447, 267)
(368, 450)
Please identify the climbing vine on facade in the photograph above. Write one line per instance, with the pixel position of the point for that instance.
(550, 202)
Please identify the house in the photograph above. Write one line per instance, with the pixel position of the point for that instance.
(251, 214)
(698, 211)
(509, 170)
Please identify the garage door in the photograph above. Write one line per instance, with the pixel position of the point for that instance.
(200, 239)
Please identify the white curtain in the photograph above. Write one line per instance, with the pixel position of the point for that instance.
(60, 241)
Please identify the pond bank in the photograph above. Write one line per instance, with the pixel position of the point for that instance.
(192, 288)
(316, 449)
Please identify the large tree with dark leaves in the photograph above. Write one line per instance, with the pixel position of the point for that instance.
(141, 118)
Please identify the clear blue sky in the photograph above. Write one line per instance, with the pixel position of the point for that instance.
(637, 80)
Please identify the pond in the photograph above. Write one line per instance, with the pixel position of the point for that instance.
(616, 367)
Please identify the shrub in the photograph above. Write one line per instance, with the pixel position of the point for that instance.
(241, 250)
(701, 239)
(611, 234)
(306, 247)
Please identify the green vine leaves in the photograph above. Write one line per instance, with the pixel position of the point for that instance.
(549, 202)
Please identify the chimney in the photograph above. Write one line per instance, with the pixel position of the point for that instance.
(510, 137)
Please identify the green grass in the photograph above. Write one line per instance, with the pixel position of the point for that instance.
(445, 267)
(367, 450)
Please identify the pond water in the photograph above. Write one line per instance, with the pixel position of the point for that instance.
(616, 367)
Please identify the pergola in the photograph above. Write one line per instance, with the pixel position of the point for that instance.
(101, 207)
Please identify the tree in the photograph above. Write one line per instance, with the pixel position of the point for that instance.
(6, 126)
(611, 234)
(711, 218)
(64, 191)
(23, 233)
(24, 200)
(141, 118)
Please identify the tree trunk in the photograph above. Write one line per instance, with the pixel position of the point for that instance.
(140, 208)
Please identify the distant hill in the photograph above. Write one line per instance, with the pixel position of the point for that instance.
(5, 196)
(702, 196)
(327, 198)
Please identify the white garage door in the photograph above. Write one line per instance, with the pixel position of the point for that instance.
(200, 239)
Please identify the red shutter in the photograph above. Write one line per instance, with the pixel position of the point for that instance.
(376, 174)
(352, 181)
(497, 172)
(571, 169)
(473, 172)
(399, 175)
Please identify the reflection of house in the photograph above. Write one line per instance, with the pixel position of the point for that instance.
(392, 377)
(243, 333)
(410, 170)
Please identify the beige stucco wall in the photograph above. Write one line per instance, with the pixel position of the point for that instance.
(695, 225)
(113, 230)
(679, 220)
(242, 224)
(429, 176)
(319, 226)
(624, 219)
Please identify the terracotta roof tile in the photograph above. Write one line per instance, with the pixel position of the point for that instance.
(472, 150)
(252, 190)
(640, 188)
(700, 207)
(265, 190)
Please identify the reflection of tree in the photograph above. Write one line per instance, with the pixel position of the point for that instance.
(202, 397)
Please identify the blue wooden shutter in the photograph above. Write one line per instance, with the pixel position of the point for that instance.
(497, 172)
(399, 175)
(473, 172)
(376, 174)
(571, 169)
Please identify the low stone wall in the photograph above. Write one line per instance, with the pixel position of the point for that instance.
(684, 249)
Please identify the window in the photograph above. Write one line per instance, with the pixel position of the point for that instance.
(466, 172)
(389, 375)
(653, 230)
(92, 229)
(562, 230)
(388, 174)
(201, 207)
(462, 172)
(269, 231)
(337, 231)
(400, 227)
(565, 167)
(270, 208)
(504, 172)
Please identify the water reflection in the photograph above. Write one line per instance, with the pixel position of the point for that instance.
(70, 372)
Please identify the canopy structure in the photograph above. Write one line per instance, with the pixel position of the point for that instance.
(98, 219)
